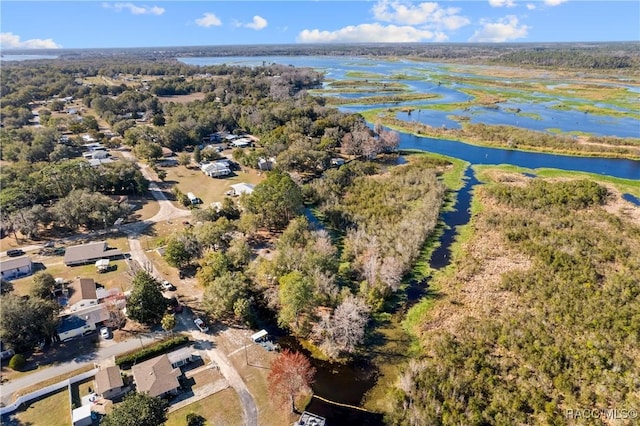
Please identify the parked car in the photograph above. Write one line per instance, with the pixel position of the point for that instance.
(14, 252)
(201, 325)
(49, 244)
(174, 305)
(166, 285)
(105, 332)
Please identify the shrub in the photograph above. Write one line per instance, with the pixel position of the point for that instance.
(125, 361)
(17, 362)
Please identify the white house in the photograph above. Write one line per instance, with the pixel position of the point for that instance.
(82, 294)
(216, 169)
(17, 267)
(242, 188)
(81, 321)
(241, 143)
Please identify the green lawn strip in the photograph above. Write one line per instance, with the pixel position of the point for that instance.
(220, 408)
(53, 410)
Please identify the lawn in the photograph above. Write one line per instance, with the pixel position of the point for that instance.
(52, 410)
(223, 408)
(118, 278)
(206, 188)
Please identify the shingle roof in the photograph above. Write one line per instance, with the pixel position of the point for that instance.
(156, 376)
(107, 379)
(18, 262)
(88, 252)
(84, 288)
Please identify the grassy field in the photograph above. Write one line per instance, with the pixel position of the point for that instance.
(222, 408)
(117, 278)
(52, 410)
(208, 189)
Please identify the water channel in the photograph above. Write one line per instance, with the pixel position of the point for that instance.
(347, 384)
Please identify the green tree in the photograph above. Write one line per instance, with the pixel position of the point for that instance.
(184, 159)
(197, 156)
(146, 304)
(222, 293)
(43, 284)
(296, 298)
(168, 322)
(24, 322)
(137, 409)
(176, 253)
(275, 201)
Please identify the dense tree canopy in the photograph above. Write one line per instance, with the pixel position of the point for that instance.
(146, 303)
(24, 322)
(137, 409)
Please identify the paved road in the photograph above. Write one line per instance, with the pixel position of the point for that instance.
(9, 388)
(167, 212)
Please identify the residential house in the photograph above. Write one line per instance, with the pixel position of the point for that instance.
(108, 382)
(89, 253)
(266, 164)
(95, 162)
(242, 188)
(16, 267)
(241, 143)
(156, 377)
(181, 357)
(216, 169)
(81, 321)
(82, 294)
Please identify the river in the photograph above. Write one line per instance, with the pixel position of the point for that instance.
(347, 384)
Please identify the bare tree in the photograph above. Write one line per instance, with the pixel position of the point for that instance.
(343, 331)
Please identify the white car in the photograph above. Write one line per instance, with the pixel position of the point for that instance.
(201, 325)
(105, 333)
(166, 285)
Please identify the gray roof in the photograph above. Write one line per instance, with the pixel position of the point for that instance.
(89, 252)
(107, 379)
(14, 263)
(156, 376)
(180, 354)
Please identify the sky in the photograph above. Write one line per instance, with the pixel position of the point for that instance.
(119, 24)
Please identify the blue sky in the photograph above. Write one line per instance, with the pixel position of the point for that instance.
(98, 24)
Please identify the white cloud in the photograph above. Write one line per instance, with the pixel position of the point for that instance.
(554, 2)
(531, 6)
(12, 41)
(502, 3)
(505, 29)
(135, 10)
(369, 33)
(258, 23)
(428, 14)
(209, 20)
